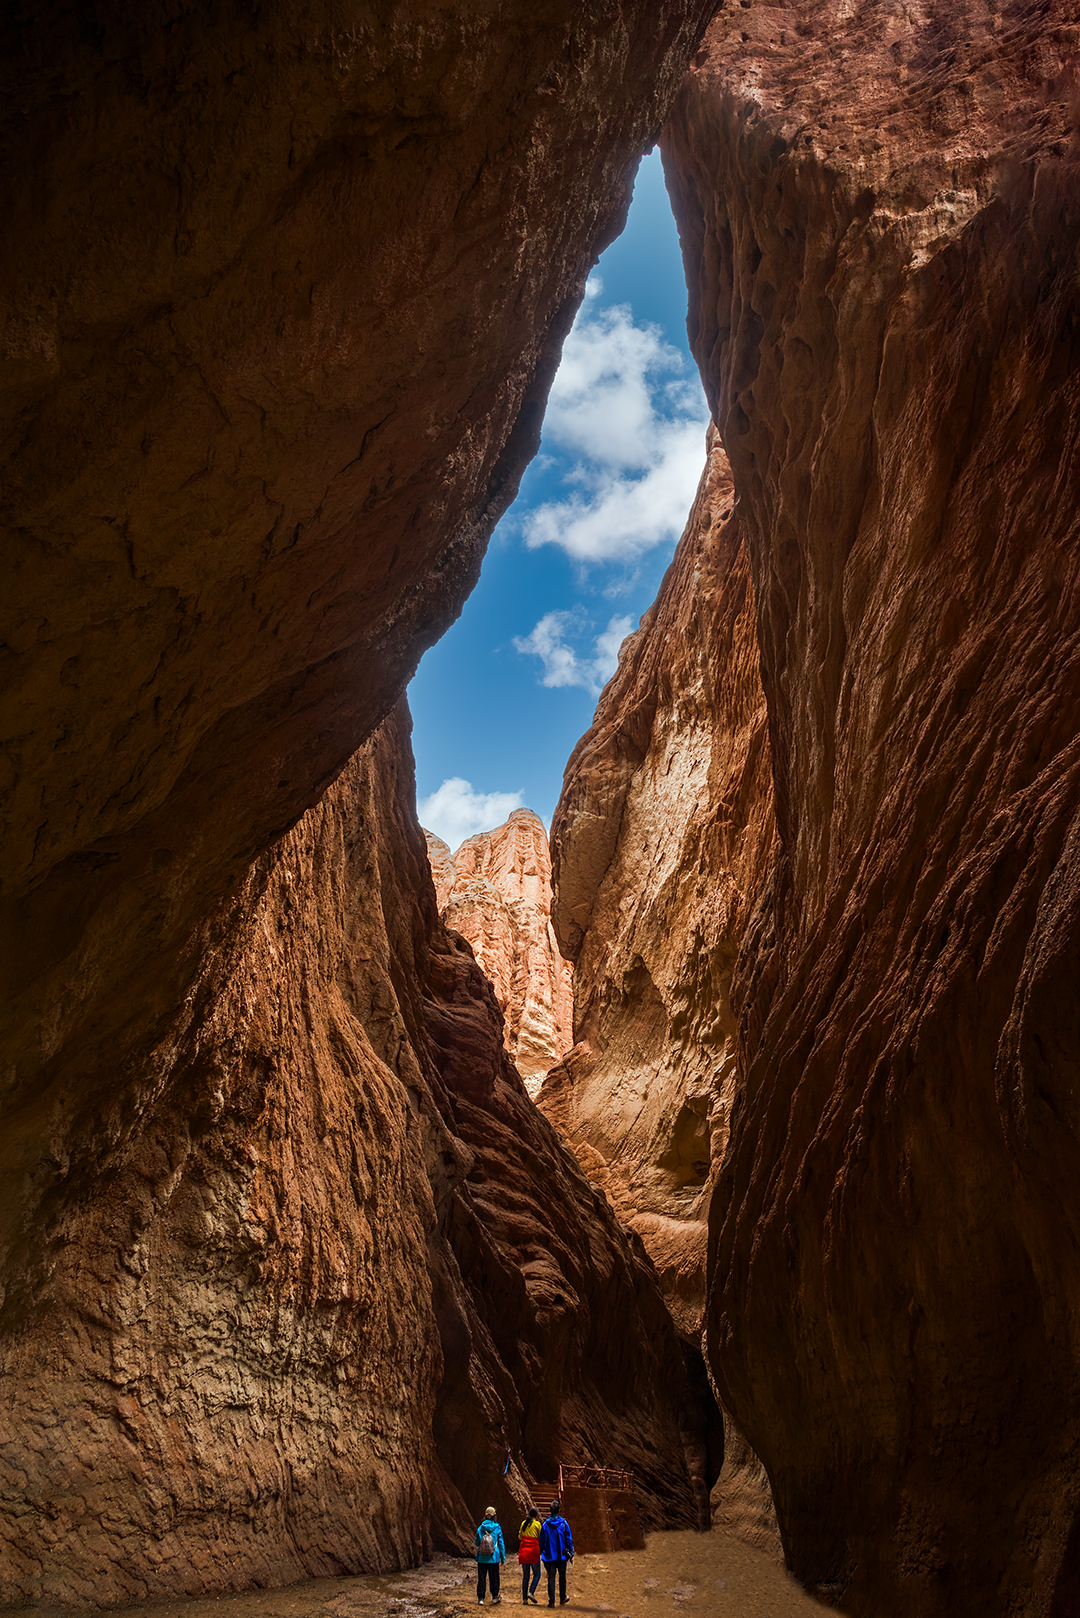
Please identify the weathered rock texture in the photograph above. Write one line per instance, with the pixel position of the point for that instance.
(341, 1267)
(496, 892)
(281, 297)
(880, 213)
(661, 841)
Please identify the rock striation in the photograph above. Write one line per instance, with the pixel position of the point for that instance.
(661, 842)
(879, 215)
(289, 290)
(341, 1269)
(496, 892)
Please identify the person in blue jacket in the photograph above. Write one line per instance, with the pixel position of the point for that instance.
(556, 1549)
(489, 1560)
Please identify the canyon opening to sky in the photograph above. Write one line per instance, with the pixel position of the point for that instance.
(759, 1217)
(500, 702)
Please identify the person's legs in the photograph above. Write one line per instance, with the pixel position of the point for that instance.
(551, 1582)
(494, 1571)
(535, 1582)
(524, 1583)
(562, 1580)
(481, 1580)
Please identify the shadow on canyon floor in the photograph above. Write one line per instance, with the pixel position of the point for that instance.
(682, 1573)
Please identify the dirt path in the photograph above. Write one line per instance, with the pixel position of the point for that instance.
(684, 1575)
(679, 1575)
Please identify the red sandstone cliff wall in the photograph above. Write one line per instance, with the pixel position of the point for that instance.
(496, 892)
(282, 297)
(287, 297)
(341, 1266)
(662, 842)
(878, 207)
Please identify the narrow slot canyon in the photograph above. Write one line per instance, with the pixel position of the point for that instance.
(352, 1178)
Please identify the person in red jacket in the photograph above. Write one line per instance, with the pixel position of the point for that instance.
(529, 1556)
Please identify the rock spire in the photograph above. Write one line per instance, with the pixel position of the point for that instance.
(496, 892)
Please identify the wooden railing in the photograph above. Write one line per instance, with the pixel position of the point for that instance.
(594, 1477)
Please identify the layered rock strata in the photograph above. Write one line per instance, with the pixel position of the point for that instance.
(879, 213)
(496, 892)
(339, 1270)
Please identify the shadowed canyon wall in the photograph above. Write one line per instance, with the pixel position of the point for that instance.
(281, 298)
(343, 1269)
(879, 212)
(496, 892)
(880, 220)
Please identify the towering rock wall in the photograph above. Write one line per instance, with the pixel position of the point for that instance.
(288, 295)
(288, 291)
(661, 842)
(496, 892)
(879, 212)
(339, 1270)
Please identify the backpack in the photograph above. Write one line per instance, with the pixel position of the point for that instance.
(487, 1544)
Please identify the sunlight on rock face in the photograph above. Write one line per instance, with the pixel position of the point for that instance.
(496, 892)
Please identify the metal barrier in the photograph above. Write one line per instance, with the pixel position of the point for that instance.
(594, 1477)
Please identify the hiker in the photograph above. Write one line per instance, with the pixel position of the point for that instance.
(529, 1556)
(490, 1552)
(557, 1548)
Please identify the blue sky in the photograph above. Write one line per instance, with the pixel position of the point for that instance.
(500, 702)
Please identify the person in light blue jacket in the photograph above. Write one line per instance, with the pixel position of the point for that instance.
(490, 1555)
(556, 1549)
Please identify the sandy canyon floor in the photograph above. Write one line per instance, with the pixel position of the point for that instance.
(682, 1574)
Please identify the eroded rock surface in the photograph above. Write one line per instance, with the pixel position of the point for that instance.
(661, 842)
(496, 892)
(879, 213)
(342, 1267)
(287, 296)
(282, 298)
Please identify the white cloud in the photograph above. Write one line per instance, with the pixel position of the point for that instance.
(634, 433)
(454, 811)
(619, 518)
(565, 666)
